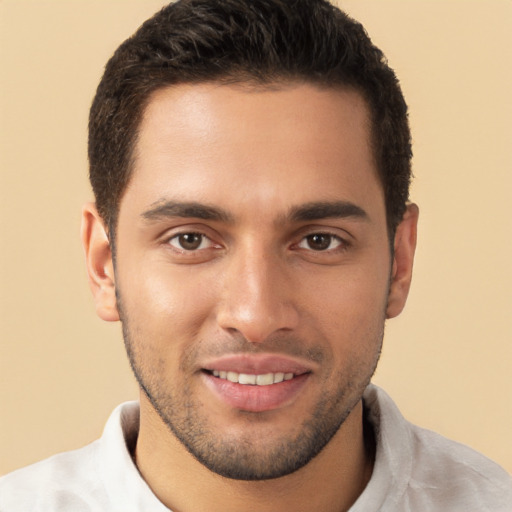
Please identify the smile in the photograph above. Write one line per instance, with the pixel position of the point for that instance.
(255, 392)
(264, 379)
(256, 382)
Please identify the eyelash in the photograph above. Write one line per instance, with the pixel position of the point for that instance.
(341, 244)
(178, 236)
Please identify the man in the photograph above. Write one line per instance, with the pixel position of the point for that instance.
(252, 231)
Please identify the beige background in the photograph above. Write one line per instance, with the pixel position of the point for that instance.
(447, 359)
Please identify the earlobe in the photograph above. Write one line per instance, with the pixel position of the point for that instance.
(100, 267)
(401, 273)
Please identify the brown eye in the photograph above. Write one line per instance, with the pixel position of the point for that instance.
(320, 242)
(189, 241)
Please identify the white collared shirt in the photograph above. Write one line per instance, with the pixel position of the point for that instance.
(415, 470)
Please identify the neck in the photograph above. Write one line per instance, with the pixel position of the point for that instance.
(332, 481)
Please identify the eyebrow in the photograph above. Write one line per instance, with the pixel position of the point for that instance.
(307, 212)
(327, 209)
(168, 209)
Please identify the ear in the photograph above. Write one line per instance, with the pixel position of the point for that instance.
(100, 266)
(401, 273)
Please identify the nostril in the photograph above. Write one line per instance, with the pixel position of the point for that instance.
(257, 325)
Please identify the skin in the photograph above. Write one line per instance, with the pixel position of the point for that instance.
(269, 275)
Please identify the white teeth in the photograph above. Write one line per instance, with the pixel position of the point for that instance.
(264, 379)
(232, 376)
(278, 377)
(244, 378)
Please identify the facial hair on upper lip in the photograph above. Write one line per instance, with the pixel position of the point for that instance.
(282, 345)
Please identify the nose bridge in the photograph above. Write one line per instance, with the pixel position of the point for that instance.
(257, 299)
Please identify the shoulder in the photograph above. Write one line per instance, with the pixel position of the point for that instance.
(88, 479)
(457, 475)
(417, 469)
(66, 481)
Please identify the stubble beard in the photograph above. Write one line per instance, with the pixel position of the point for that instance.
(240, 458)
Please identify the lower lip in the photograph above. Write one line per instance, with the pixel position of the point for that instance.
(256, 398)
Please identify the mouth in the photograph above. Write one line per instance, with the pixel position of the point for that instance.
(256, 383)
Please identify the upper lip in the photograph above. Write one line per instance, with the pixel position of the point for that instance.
(256, 364)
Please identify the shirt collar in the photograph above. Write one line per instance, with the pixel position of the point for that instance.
(393, 456)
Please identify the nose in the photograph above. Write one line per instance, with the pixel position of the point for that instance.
(257, 299)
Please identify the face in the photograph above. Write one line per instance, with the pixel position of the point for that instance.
(253, 273)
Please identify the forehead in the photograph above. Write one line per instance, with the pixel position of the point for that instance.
(281, 145)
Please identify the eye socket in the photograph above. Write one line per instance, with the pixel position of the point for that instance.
(320, 242)
(190, 241)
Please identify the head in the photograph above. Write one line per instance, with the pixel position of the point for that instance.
(251, 160)
(261, 43)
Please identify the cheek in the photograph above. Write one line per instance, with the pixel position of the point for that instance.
(164, 305)
(352, 292)
(349, 308)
